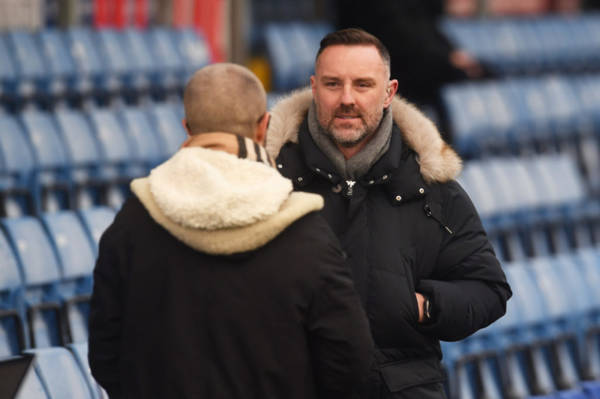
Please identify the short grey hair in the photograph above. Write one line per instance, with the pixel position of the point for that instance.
(224, 97)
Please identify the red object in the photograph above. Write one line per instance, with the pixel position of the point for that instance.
(100, 13)
(119, 18)
(140, 16)
(209, 20)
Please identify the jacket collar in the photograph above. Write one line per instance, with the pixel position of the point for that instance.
(437, 161)
(397, 170)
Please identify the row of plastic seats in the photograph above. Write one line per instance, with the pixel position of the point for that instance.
(530, 45)
(534, 206)
(548, 343)
(70, 159)
(55, 372)
(523, 185)
(46, 269)
(523, 116)
(291, 48)
(81, 61)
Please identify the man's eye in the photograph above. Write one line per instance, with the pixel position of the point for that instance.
(331, 84)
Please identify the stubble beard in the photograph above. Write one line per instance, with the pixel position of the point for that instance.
(359, 133)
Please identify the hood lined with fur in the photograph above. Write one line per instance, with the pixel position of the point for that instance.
(218, 203)
(438, 161)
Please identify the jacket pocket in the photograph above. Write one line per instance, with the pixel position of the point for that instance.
(405, 375)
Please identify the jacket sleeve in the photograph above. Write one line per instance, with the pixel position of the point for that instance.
(339, 336)
(468, 288)
(106, 312)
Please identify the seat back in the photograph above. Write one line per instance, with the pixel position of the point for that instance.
(12, 340)
(60, 373)
(41, 276)
(96, 220)
(168, 127)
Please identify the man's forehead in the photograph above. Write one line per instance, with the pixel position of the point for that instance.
(360, 60)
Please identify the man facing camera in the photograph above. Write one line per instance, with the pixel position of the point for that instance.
(215, 280)
(420, 259)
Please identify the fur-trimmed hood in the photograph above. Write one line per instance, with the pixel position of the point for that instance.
(438, 162)
(220, 204)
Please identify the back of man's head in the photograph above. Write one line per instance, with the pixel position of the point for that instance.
(224, 97)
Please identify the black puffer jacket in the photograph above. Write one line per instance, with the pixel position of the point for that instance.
(406, 227)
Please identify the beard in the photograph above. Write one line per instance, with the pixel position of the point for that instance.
(350, 135)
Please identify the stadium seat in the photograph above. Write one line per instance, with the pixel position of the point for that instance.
(119, 158)
(142, 135)
(119, 63)
(76, 258)
(30, 68)
(85, 158)
(60, 373)
(61, 63)
(168, 59)
(80, 351)
(11, 90)
(32, 386)
(168, 128)
(52, 164)
(89, 63)
(162, 80)
(41, 276)
(95, 221)
(193, 50)
(17, 175)
(12, 338)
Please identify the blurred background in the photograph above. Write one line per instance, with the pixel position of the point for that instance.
(90, 97)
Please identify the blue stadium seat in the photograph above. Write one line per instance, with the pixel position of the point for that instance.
(119, 157)
(76, 258)
(10, 88)
(52, 164)
(162, 79)
(168, 127)
(30, 67)
(66, 381)
(143, 136)
(41, 277)
(17, 177)
(119, 62)
(89, 62)
(168, 59)
(12, 339)
(80, 352)
(85, 158)
(95, 221)
(32, 386)
(193, 50)
(61, 63)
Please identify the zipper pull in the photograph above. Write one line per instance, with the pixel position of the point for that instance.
(429, 214)
(350, 184)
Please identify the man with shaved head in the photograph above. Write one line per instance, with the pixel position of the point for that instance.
(215, 280)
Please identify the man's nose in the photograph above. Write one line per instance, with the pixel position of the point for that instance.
(347, 96)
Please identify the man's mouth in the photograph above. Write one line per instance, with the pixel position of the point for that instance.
(347, 116)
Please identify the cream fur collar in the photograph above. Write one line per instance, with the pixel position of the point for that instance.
(219, 204)
(438, 162)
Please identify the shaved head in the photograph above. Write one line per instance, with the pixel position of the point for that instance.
(224, 97)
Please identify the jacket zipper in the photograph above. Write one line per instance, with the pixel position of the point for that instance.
(350, 184)
(428, 212)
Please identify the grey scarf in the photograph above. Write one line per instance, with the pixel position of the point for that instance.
(359, 164)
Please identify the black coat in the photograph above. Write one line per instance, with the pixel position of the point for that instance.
(402, 235)
(167, 321)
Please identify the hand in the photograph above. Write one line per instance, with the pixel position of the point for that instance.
(421, 305)
(465, 62)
